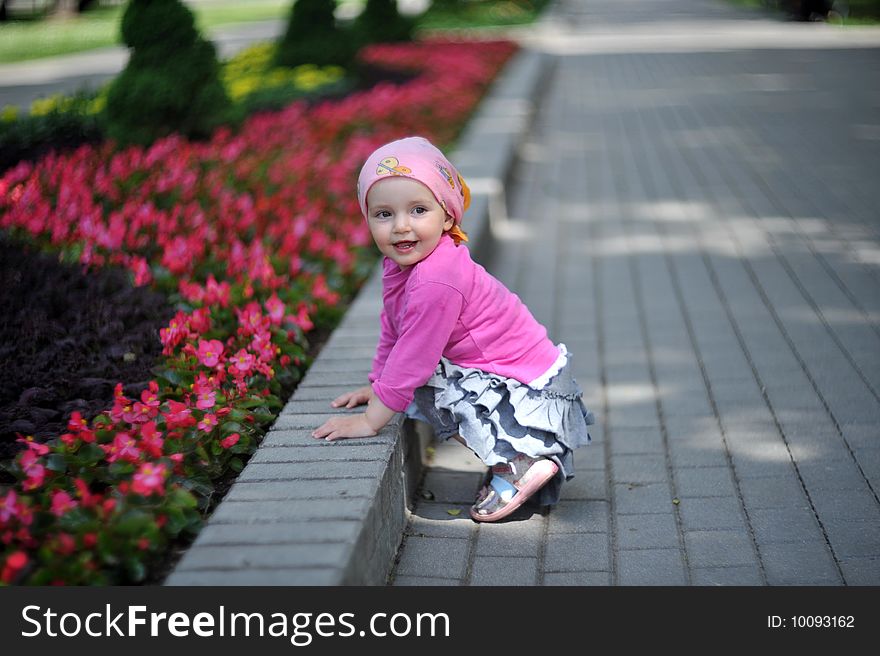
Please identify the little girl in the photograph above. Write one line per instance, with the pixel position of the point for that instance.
(457, 349)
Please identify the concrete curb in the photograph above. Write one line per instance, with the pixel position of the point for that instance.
(313, 513)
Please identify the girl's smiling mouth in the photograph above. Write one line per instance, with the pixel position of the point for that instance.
(404, 246)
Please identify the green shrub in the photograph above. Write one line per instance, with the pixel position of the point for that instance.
(171, 83)
(381, 22)
(312, 37)
(57, 123)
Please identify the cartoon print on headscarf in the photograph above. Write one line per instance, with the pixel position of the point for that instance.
(391, 166)
(446, 174)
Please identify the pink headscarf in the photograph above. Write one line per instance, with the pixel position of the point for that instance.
(418, 159)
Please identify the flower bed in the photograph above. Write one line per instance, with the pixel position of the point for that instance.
(255, 236)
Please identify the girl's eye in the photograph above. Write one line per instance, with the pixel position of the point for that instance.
(420, 210)
(383, 214)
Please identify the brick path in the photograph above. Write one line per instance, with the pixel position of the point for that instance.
(696, 218)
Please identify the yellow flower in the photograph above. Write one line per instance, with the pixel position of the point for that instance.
(8, 114)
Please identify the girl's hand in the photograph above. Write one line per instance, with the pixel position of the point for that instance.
(341, 427)
(352, 399)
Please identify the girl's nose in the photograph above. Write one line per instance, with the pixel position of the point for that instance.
(401, 223)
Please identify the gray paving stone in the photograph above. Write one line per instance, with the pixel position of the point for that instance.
(642, 499)
(293, 471)
(650, 567)
(639, 469)
(451, 486)
(250, 577)
(310, 489)
(700, 513)
(822, 475)
(592, 579)
(748, 575)
(436, 557)
(799, 563)
(783, 491)
(719, 548)
(647, 531)
(323, 452)
(695, 452)
(452, 456)
(318, 394)
(586, 484)
(504, 570)
(704, 482)
(862, 435)
(761, 461)
(572, 552)
(422, 581)
(777, 525)
(636, 441)
(853, 539)
(250, 512)
(522, 538)
(280, 533)
(846, 505)
(861, 571)
(579, 517)
(430, 519)
(263, 556)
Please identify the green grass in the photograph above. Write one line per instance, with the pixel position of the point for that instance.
(22, 40)
(488, 13)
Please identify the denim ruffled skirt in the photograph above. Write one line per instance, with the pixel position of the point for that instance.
(499, 417)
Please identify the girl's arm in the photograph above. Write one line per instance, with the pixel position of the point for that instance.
(365, 424)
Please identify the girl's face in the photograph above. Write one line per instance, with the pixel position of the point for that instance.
(405, 219)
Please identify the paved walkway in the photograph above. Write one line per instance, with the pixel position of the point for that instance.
(696, 218)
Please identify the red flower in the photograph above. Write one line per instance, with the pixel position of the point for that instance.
(178, 416)
(230, 440)
(15, 562)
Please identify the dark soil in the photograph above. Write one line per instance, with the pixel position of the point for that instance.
(66, 339)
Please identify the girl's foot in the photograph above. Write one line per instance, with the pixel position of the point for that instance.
(524, 475)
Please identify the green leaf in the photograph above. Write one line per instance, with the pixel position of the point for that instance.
(135, 569)
(56, 462)
(169, 375)
(230, 427)
(236, 465)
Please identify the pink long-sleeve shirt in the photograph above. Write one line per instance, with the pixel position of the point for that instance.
(447, 305)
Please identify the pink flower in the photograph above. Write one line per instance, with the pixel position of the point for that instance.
(210, 352)
(208, 422)
(206, 400)
(149, 479)
(35, 471)
(61, 503)
(275, 308)
(243, 363)
(9, 508)
(227, 442)
(124, 447)
(150, 396)
(36, 447)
